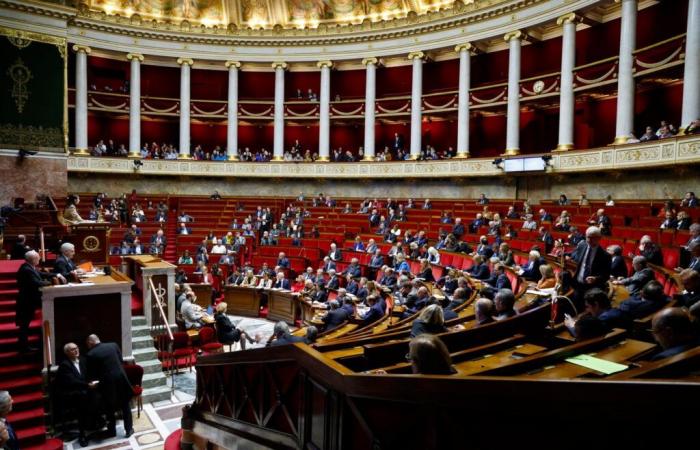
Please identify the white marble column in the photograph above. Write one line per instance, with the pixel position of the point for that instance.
(185, 65)
(691, 70)
(624, 124)
(232, 116)
(278, 146)
(81, 95)
(416, 102)
(370, 99)
(513, 118)
(135, 105)
(566, 82)
(324, 123)
(465, 52)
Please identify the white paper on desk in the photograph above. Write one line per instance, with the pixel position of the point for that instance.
(541, 293)
(86, 283)
(89, 275)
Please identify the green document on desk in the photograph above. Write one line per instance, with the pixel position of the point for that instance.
(598, 364)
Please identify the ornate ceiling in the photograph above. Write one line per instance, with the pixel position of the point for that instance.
(269, 13)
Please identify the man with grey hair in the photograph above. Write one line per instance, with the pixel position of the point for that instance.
(282, 336)
(504, 303)
(593, 264)
(64, 264)
(74, 389)
(483, 311)
(641, 276)
(20, 247)
(335, 316)
(5, 409)
(29, 282)
(618, 267)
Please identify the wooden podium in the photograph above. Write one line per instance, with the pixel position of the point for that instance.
(281, 306)
(101, 305)
(242, 301)
(142, 267)
(91, 242)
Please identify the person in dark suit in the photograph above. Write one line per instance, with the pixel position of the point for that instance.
(398, 142)
(593, 265)
(375, 263)
(354, 269)
(531, 270)
(641, 276)
(283, 261)
(458, 228)
(497, 281)
(328, 264)
(333, 281)
(674, 331)
(226, 331)
(104, 364)
(20, 248)
(29, 283)
(282, 336)
(64, 264)
(375, 312)
(351, 286)
(388, 279)
(11, 441)
(480, 270)
(650, 300)
(158, 243)
(321, 294)
(334, 254)
(691, 284)
(335, 316)
(546, 237)
(75, 390)
(431, 321)
(281, 282)
(618, 267)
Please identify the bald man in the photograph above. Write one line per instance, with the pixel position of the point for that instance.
(673, 330)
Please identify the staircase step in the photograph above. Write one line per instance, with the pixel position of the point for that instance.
(10, 343)
(151, 380)
(140, 330)
(14, 370)
(156, 394)
(11, 329)
(21, 384)
(49, 444)
(144, 354)
(27, 417)
(27, 400)
(7, 305)
(142, 342)
(31, 436)
(137, 321)
(151, 366)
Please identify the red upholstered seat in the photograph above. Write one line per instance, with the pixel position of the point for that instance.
(207, 341)
(134, 373)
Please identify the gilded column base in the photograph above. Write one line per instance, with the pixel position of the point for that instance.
(134, 155)
(323, 159)
(278, 158)
(181, 156)
(512, 152)
(368, 158)
(413, 157)
(232, 158)
(619, 140)
(81, 152)
(462, 155)
(563, 148)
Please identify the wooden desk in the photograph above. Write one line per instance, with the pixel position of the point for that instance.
(619, 353)
(281, 306)
(91, 242)
(142, 267)
(203, 293)
(497, 359)
(102, 307)
(242, 301)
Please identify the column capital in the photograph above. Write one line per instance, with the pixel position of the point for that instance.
(517, 34)
(469, 47)
(371, 60)
(416, 55)
(322, 64)
(82, 48)
(235, 64)
(569, 18)
(279, 64)
(136, 56)
(187, 61)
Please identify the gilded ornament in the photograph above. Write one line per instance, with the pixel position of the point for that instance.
(20, 75)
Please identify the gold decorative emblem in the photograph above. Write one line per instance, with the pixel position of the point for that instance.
(538, 86)
(20, 76)
(19, 41)
(91, 244)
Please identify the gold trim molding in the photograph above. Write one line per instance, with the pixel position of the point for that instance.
(322, 64)
(187, 61)
(661, 153)
(136, 56)
(281, 64)
(370, 60)
(235, 64)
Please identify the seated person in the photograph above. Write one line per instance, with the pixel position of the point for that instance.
(460, 296)
(283, 261)
(281, 282)
(219, 248)
(191, 312)
(311, 335)
(184, 229)
(531, 270)
(185, 258)
(265, 281)
(429, 356)
(497, 281)
(158, 243)
(426, 271)
(649, 300)
(374, 313)
(691, 288)
(504, 301)
(335, 316)
(674, 331)
(618, 267)
(70, 212)
(598, 305)
(484, 310)
(333, 280)
(589, 327)
(480, 269)
(548, 279)
(282, 336)
(226, 331)
(641, 276)
(430, 320)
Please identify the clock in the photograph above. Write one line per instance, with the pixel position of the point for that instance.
(538, 86)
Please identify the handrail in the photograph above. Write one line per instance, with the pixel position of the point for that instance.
(48, 353)
(658, 44)
(158, 302)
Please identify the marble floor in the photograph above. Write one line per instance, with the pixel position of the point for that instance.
(159, 419)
